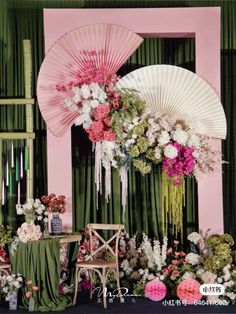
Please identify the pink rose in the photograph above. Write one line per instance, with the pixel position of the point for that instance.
(175, 273)
(115, 104)
(170, 267)
(165, 271)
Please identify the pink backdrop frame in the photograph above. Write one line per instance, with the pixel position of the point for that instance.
(201, 23)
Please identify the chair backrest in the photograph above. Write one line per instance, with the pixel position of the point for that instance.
(106, 244)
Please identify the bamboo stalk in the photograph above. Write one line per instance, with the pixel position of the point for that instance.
(29, 116)
(1, 177)
(17, 101)
(16, 135)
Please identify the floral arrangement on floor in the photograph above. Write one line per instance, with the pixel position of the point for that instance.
(125, 132)
(9, 283)
(209, 260)
(54, 204)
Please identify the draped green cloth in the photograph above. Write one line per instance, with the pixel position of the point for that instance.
(39, 261)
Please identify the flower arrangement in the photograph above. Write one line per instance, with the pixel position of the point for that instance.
(126, 133)
(32, 210)
(54, 204)
(29, 232)
(9, 283)
(143, 262)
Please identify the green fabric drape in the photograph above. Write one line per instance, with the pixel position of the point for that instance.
(22, 19)
(39, 261)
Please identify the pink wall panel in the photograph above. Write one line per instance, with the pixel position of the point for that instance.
(201, 23)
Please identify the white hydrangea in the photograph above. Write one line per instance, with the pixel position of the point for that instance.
(180, 136)
(102, 97)
(85, 91)
(164, 138)
(94, 103)
(170, 151)
(194, 237)
(193, 259)
(208, 277)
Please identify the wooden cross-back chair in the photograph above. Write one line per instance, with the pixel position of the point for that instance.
(5, 269)
(101, 266)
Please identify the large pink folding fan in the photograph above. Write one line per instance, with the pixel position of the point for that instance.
(112, 45)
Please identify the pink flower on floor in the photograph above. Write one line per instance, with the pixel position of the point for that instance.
(175, 273)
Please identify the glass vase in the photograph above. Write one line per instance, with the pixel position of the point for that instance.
(31, 304)
(56, 224)
(12, 295)
(45, 230)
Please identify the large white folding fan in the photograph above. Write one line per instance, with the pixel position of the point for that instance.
(108, 46)
(180, 93)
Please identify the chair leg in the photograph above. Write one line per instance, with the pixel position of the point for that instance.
(76, 285)
(91, 284)
(104, 288)
(118, 284)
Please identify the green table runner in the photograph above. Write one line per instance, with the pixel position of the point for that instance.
(39, 261)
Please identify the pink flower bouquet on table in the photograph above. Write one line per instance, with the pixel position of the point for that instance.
(54, 204)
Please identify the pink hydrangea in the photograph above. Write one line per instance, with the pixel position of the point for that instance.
(109, 135)
(101, 112)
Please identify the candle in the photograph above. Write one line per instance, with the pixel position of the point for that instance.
(21, 164)
(18, 193)
(12, 155)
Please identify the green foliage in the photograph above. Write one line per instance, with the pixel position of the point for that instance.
(220, 246)
(139, 288)
(5, 235)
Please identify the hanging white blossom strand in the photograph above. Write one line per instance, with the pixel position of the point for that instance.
(98, 169)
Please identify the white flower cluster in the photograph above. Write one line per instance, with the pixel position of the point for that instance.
(206, 276)
(146, 247)
(159, 253)
(170, 151)
(163, 129)
(32, 209)
(84, 100)
(195, 237)
(188, 275)
(193, 259)
(29, 232)
(10, 283)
